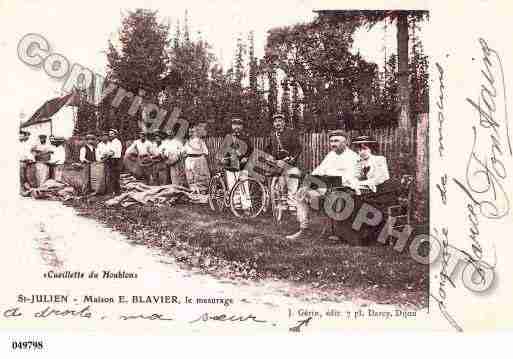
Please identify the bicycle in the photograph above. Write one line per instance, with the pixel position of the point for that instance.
(274, 192)
(246, 198)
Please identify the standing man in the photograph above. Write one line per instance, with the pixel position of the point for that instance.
(173, 152)
(160, 172)
(25, 157)
(87, 156)
(43, 150)
(102, 152)
(285, 148)
(42, 153)
(114, 162)
(342, 162)
(142, 150)
(235, 152)
(58, 158)
(88, 150)
(100, 173)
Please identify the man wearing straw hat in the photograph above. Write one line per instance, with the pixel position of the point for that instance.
(341, 162)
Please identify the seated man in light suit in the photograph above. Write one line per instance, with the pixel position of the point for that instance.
(341, 162)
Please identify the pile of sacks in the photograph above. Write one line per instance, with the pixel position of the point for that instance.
(125, 179)
(137, 192)
(51, 189)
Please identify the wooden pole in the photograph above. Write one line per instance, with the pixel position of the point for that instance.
(403, 83)
(421, 211)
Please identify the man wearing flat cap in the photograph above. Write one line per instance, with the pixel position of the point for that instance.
(285, 148)
(234, 154)
(341, 162)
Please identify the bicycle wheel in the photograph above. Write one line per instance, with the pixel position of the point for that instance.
(217, 194)
(275, 193)
(247, 198)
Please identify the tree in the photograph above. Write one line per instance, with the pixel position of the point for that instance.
(272, 97)
(140, 62)
(87, 116)
(295, 106)
(285, 100)
(317, 57)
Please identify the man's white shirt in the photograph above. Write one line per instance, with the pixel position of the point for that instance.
(83, 151)
(58, 155)
(172, 148)
(24, 151)
(344, 165)
(141, 148)
(101, 150)
(116, 147)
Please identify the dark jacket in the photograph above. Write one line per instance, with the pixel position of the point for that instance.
(290, 145)
(234, 149)
(90, 154)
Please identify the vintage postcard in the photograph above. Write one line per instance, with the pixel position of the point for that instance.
(237, 167)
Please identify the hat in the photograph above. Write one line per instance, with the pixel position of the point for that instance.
(278, 115)
(361, 140)
(337, 133)
(237, 121)
(43, 135)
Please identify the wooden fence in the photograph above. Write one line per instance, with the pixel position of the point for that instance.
(315, 146)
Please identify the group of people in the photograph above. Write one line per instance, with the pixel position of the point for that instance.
(358, 168)
(165, 159)
(49, 157)
(107, 151)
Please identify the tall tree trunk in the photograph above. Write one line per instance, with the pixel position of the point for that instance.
(403, 85)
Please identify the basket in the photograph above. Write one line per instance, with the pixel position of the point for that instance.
(42, 173)
(98, 178)
(77, 176)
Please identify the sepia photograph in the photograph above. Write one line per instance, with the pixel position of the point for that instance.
(232, 167)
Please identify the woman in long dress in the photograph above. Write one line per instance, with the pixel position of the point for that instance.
(196, 164)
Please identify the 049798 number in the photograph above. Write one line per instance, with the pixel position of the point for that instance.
(27, 345)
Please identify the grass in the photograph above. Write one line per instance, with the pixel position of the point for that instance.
(256, 249)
